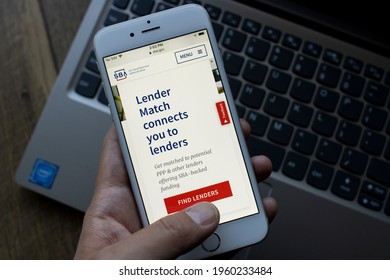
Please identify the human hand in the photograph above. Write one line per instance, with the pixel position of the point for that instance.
(112, 228)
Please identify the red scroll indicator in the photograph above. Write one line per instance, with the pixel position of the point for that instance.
(210, 193)
(223, 113)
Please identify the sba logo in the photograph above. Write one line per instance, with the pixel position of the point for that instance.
(120, 75)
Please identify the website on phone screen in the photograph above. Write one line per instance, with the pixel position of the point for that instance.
(178, 128)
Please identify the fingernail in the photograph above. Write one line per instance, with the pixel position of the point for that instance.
(203, 213)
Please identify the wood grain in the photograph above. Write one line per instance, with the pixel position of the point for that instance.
(62, 24)
(35, 37)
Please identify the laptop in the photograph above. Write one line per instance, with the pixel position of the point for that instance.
(311, 78)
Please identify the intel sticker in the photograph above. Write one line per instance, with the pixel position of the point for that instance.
(43, 173)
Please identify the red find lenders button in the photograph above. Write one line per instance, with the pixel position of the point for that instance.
(210, 193)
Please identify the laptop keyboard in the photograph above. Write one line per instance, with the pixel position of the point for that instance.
(319, 114)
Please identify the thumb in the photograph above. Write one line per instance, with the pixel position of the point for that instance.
(173, 235)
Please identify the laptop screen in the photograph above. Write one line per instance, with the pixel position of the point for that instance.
(360, 22)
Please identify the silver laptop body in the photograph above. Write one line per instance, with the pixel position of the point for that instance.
(62, 156)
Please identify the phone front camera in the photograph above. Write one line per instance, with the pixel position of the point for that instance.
(148, 21)
(131, 34)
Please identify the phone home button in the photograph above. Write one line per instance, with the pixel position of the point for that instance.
(212, 243)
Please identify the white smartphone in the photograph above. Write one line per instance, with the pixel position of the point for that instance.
(178, 127)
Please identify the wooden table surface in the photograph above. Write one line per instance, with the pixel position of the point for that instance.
(35, 37)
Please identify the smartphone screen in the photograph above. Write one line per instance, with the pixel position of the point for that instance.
(178, 128)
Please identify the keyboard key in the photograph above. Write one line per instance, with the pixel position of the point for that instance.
(332, 57)
(114, 17)
(162, 7)
(304, 142)
(320, 175)
(354, 161)
(234, 40)
(300, 114)
(102, 97)
(255, 72)
(370, 203)
(280, 132)
(345, 186)
(251, 26)
(235, 86)
(258, 122)
(373, 143)
(218, 30)
(312, 49)
(271, 34)
(324, 124)
(350, 108)
(353, 64)
(292, 41)
(304, 66)
(142, 7)
(374, 72)
(379, 170)
(231, 19)
(121, 4)
(302, 90)
(281, 57)
(192, 2)
(174, 2)
(328, 75)
(352, 84)
(88, 85)
(374, 118)
(252, 96)
(387, 208)
(328, 151)
(387, 151)
(326, 99)
(295, 166)
(376, 93)
(233, 63)
(276, 105)
(214, 12)
(260, 147)
(348, 133)
(240, 111)
(278, 81)
(387, 79)
(257, 49)
(92, 63)
(374, 190)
